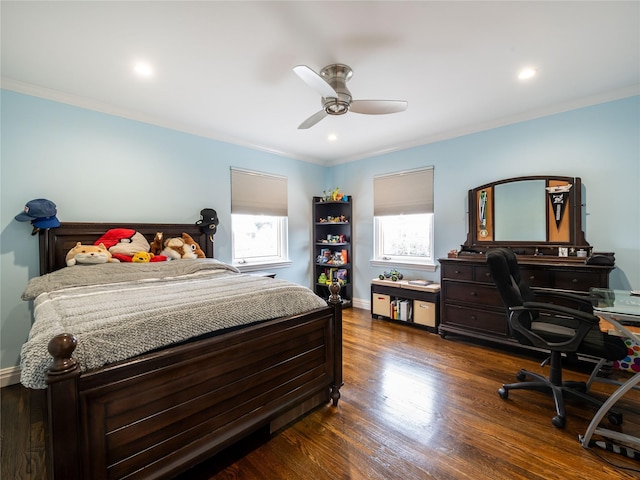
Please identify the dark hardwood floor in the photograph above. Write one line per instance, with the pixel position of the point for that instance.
(414, 406)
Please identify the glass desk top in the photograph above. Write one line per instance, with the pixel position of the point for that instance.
(619, 304)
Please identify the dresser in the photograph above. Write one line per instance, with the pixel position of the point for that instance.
(470, 304)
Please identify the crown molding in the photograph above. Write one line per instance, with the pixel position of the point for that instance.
(90, 104)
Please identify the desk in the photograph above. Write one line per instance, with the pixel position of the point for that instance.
(618, 309)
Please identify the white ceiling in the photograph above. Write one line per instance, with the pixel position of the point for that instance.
(224, 69)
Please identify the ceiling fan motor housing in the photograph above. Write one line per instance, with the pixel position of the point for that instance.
(337, 75)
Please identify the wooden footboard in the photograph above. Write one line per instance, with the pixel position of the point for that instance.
(163, 412)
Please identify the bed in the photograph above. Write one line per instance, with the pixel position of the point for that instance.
(159, 412)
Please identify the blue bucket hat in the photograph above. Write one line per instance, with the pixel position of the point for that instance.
(40, 212)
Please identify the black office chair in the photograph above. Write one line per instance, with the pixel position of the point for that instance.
(558, 329)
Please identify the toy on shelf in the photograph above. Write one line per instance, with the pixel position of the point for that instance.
(340, 219)
(334, 195)
(394, 275)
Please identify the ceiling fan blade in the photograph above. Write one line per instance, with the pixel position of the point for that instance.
(378, 107)
(312, 120)
(315, 81)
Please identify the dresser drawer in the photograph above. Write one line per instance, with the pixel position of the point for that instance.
(535, 277)
(477, 320)
(475, 293)
(457, 272)
(580, 281)
(482, 274)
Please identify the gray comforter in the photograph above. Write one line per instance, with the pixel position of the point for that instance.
(120, 310)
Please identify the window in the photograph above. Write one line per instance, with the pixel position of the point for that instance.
(258, 220)
(403, 219)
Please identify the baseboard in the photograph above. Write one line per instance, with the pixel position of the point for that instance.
(9, 376)
(360, 303)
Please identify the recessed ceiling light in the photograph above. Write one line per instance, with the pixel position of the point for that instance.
(332, 137)
(526, 73)
(143, 69)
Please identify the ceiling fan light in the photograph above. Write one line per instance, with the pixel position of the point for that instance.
(336, 107)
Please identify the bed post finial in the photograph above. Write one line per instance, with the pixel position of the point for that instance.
(61, 348)
(334, 288)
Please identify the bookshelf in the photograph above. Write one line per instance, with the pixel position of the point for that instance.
(333, 250)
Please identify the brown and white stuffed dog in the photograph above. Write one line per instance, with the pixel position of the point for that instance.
(88, 254)
(177, 247)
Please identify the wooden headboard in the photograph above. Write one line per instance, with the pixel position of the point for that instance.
(56, 242)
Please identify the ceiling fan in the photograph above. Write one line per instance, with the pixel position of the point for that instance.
(331, 83)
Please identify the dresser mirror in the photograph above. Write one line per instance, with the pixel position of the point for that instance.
(534, 215)
(519, 212)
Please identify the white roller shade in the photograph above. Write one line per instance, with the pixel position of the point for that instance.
(403, 193)
(256, 193)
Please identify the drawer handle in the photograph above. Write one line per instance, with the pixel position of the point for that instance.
(488, 274)
(575, 280)
(473, 294)
(473, 317)
(457, 272)
(532, 277)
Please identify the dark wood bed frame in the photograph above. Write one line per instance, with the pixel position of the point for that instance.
(161, 413)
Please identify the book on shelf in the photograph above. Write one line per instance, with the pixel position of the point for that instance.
(337, 274)
(400, 310)
(405, 310)
(341, 274)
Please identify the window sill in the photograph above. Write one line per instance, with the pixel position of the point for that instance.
(428, 267)
(254, 267)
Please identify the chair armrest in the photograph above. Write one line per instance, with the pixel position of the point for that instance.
(579, 302)
(561, 309)
(586, 323)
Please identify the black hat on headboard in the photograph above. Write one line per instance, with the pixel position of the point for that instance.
(209, 221)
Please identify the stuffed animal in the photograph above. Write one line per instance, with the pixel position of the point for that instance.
(156, 246)
(142, 257)
(88, 254)
(124, 241)
(184, 247)
(193, 244)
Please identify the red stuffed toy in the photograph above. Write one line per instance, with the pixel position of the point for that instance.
(124, 243)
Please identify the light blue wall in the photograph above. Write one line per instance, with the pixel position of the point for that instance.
(600, 144)
(98, 167)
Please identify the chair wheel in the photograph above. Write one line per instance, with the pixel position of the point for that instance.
(503, 392)
(558, 421)
(521, 376)
(615, 418)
